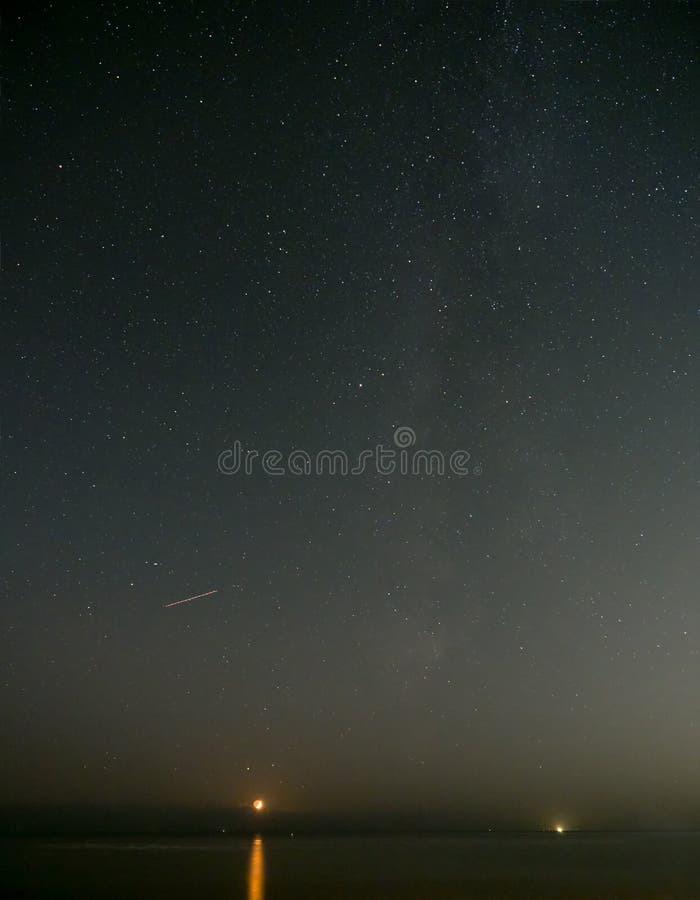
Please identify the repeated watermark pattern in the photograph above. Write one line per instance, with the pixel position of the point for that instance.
(401, 459)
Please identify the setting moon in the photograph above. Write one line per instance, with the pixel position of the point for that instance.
(258, 805)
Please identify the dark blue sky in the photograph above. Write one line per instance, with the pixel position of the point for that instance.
(302, 229)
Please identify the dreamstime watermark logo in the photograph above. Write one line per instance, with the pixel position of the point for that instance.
(400, 459)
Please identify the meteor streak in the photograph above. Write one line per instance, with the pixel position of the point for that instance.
(187, 599)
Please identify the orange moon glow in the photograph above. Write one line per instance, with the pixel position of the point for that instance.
(258, 804)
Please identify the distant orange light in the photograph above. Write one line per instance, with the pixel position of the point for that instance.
(258, 804)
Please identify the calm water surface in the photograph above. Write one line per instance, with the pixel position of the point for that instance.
(594, 866)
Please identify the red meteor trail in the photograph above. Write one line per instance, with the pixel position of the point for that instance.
(187, 599)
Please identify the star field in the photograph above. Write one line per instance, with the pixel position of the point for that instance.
(303, 228)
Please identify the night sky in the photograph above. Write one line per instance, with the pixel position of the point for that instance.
(302, 228)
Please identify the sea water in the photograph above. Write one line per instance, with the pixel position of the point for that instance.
(591, 866)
